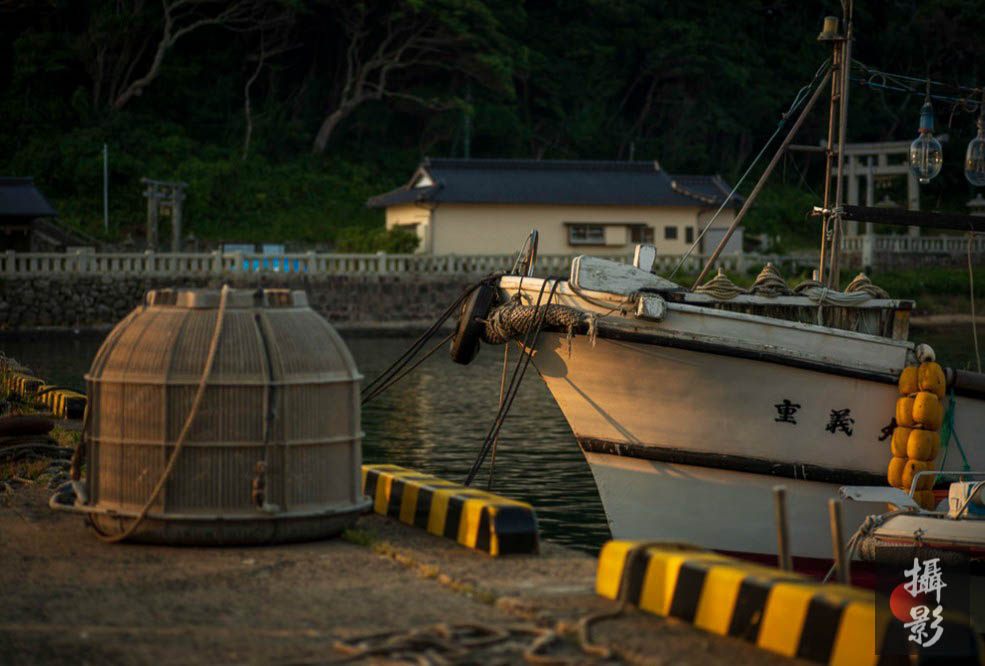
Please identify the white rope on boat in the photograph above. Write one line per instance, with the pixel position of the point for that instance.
(865, 529)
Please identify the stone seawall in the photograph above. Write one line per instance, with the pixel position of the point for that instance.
(81, 302)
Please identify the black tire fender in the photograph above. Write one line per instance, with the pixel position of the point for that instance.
(475, 309)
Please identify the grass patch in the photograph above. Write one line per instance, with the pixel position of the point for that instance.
(359, 537)
(65, 437)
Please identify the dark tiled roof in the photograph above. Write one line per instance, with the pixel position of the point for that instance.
(556, 182)
(20, 198)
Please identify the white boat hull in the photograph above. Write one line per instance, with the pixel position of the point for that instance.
(724, 510)
(689, 422)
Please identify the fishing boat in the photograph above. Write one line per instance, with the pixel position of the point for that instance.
(690, 409)
(692, 404)
(955, 527)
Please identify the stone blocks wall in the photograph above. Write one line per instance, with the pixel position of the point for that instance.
(79, 302)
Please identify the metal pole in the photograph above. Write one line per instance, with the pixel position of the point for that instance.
(842, 565)
(784, 560)
(105, 189)
(834, 278)
(835, 97)
(762, 179)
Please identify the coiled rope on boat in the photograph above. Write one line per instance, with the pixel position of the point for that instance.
(720, 288)
(512, 320)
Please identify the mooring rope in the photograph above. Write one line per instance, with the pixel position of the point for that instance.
(502, 392)
(393, 373)
(530, 340)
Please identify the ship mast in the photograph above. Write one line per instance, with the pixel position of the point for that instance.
(838, 73)
(841, 62)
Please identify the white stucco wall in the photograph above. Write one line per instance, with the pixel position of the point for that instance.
(414, 218)
(501, 228)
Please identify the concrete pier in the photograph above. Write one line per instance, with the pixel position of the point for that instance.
(69, 598)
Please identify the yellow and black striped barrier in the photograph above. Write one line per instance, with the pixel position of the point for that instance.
(22, 383)
(779, 611)
(65, 403)
(472, 517)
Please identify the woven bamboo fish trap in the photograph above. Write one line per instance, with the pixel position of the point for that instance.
(250, 424)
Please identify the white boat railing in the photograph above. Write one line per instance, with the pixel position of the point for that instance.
(204, 264)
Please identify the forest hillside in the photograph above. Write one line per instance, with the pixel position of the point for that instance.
(283, 116)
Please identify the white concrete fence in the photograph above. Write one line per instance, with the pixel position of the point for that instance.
(869, 248)
(24, 265)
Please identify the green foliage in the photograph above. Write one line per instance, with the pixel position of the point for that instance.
(698, 86)
(782, 213)
(391, 241)
(930, 283)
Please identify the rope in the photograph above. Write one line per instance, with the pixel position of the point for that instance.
(865, 529)
(389, 376)
(502, 391)
(770, 283)
(529, 342)
(513, 320)
(794, 105)
(457, 643)
(720, 288)
(390, 382)
(948, 431)
(185, 429)
(862, 284)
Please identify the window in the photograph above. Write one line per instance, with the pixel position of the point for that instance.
(670, 233)
(640, 233)
(689, 234)
(586, 234)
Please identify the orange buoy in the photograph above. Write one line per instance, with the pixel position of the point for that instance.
(904, 411)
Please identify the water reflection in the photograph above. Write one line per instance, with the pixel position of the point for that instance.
(434, 420)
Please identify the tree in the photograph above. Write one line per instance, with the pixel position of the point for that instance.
(380, 43)
(274, 38)
(128, 41)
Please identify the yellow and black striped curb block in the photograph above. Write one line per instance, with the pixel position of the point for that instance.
(22, 383)
(777, 610)
(472, 517)
(65, 403)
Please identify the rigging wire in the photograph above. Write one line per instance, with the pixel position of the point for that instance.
(799, 99)
(971, 286)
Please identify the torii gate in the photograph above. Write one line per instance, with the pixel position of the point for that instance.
(870, 161)
(164, 198)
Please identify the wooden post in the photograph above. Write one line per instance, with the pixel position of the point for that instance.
(177, 197)
(151, 194)
(852, 191)
(784, 560)
(842, 563)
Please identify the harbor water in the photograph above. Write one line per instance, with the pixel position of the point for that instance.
(436, 418)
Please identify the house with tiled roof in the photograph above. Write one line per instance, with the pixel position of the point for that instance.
(488, 206)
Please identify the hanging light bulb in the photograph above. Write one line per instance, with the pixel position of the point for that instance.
(926, 156)
(974, 159)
